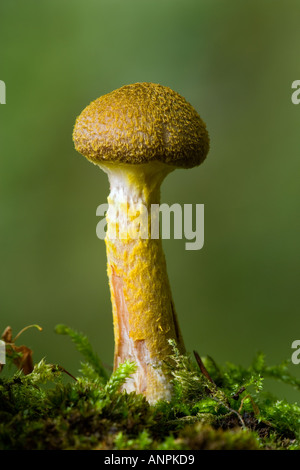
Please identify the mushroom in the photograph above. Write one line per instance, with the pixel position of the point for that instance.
(138, 134)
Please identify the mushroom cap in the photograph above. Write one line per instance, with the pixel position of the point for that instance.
(140, 123)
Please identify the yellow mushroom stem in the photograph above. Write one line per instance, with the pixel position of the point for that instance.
(143, 311)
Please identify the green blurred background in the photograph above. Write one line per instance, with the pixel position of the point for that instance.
(235, 62)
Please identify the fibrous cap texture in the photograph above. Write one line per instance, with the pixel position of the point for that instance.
(140, 123)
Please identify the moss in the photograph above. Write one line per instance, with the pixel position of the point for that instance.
(212, 407)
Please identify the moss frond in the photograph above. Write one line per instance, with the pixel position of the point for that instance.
(119, 376)
(84, 347)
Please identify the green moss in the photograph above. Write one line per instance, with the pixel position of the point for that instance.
(212, 407)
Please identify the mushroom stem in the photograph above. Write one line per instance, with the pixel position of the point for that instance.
(143, 311)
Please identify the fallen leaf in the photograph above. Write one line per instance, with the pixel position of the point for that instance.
(20, 355)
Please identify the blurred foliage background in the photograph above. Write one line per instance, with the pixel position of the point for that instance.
(235, 62)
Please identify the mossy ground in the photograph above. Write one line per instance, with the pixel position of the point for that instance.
(212, 408)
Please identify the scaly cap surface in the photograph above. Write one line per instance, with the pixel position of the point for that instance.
(140, 123)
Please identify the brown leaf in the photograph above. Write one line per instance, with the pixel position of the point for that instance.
(20, 355)
(7, 335)
(24, 359)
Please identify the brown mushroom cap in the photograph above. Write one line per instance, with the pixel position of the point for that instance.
(140, 123)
